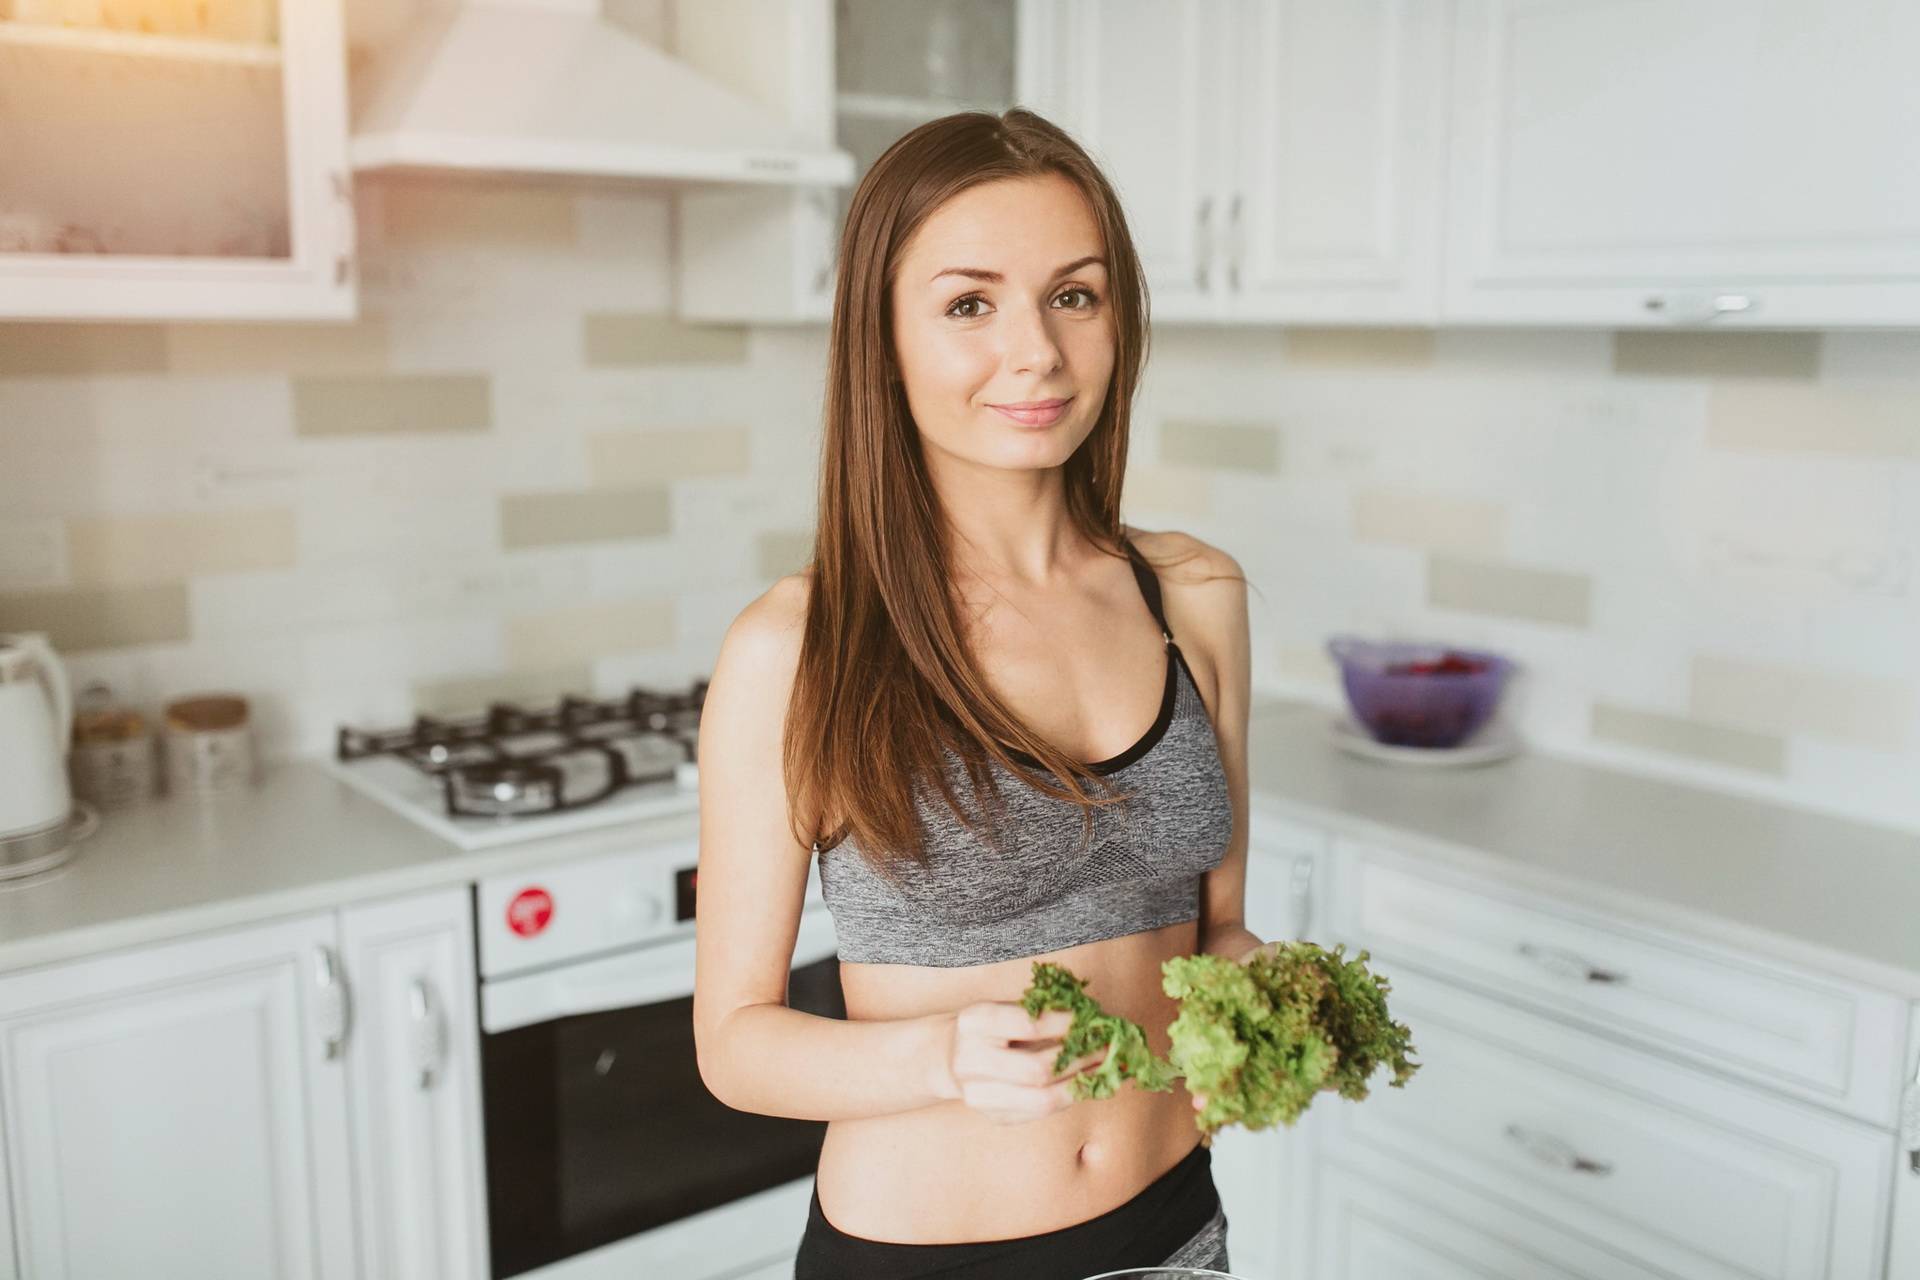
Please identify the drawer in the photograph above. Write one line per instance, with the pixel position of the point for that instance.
(1684, 1172)
(1421, 1228)
(1820, 1039)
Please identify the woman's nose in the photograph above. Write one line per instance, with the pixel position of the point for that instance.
(1030, 342)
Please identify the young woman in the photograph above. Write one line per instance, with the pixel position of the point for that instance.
(1011, 729)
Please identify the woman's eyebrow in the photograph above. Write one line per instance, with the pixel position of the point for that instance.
(994, 277)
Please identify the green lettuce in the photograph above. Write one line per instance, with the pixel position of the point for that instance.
(1055, 987)
(1259, 1039)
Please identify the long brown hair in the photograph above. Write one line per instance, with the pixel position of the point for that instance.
(885, 678)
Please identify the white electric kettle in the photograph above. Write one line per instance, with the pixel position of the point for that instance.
(36, 723)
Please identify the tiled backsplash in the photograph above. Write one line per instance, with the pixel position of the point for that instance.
(519, 473)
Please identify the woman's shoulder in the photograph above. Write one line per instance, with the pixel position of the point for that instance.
(766, 634)
(1182, 560)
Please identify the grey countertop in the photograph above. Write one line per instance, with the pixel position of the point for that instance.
(1838, 896)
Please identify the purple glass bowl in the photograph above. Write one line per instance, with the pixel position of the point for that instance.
(1417, 709)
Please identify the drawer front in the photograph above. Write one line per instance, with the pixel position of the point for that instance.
(1420, 1228)
(1819, 1039)
(1667, 1164)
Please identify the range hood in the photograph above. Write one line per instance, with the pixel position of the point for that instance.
(549, 88)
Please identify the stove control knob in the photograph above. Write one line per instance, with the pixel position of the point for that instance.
(635, 907)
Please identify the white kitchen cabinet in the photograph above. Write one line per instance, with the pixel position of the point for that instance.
(1743, 163)
(179, 174)
(413, 1066)
(1267, 1179)
(1145, 88)
(1333, 196)
(1683, 1171)
(1832, 1043)
(181, 1110)
(1279, 160)
(760, 255)
(1904, 1248)
(1426, 1228)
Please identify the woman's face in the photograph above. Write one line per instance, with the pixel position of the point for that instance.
(1001, 299)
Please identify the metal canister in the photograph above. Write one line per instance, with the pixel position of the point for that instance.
(112, 761)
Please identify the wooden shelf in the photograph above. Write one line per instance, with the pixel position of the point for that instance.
(24, 35)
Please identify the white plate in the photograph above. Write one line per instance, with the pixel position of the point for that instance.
(1495, 740)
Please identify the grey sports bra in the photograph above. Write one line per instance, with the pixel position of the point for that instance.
(1049, 887)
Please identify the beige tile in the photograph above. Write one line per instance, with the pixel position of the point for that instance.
(1869, 421)
(34, 349)
(438, 211)
(1240, 446)
(1180, 491)
(580, 633)
(100, 618)
(1431, 521)
(629, 338)
(1697, 739)
(627, 458)
(1754, 353)
(472, 693)
(1509, 590)
(1865, 711)
(119, 550)
(1308, 664)
(360, 347)
(599, 515)
(377, 405)
(779, 552)
(1361, 348)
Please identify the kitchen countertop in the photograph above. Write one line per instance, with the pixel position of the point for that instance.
(1835, 895)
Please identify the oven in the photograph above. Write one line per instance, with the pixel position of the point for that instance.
(605, 1154)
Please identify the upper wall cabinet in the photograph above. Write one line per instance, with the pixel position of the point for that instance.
(1736, 162)
(1279, 160)
(161, 160)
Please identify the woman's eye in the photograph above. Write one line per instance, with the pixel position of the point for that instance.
(1092, 300)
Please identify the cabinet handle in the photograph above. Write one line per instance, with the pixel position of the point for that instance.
(1910, 1121)
(1720, 304)
(1233, 241)
(1205, 244)
(426, 1032)
(822, 201)
(333, 1007)
(343, 257)
(1557, 1152)
(1567, 964)
(1302, 896)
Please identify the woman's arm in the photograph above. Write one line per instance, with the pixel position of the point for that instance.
(755, 1053)
(1211, 597)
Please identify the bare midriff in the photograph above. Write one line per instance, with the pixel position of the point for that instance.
(944, 1173)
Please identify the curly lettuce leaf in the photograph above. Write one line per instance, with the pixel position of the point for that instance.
(1260, 1039)
(1056, 987)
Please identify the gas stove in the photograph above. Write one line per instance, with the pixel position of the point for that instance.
(520, 772)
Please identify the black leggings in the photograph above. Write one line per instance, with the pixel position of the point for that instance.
(1167, 1216)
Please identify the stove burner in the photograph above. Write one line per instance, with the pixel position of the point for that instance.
(512, 760)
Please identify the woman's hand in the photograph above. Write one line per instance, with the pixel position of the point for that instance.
(999, 1061)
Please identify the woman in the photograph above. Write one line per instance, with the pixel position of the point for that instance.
(919, 706)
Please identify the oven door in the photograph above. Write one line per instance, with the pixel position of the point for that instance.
(597, 1126)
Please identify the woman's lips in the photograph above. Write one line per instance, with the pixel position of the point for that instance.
(1035, 417)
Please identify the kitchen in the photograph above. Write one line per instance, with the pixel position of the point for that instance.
(416, 407)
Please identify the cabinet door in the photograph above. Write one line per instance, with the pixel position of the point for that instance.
(1334, 211)
(1687, 1172)
(1738, 162)
(414, 1064)
(1145, 87)
(194, 169)
(181, 1110)
(1431, 1229)
(1905, 1247)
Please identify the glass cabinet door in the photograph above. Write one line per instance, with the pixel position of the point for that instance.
(174, 159)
